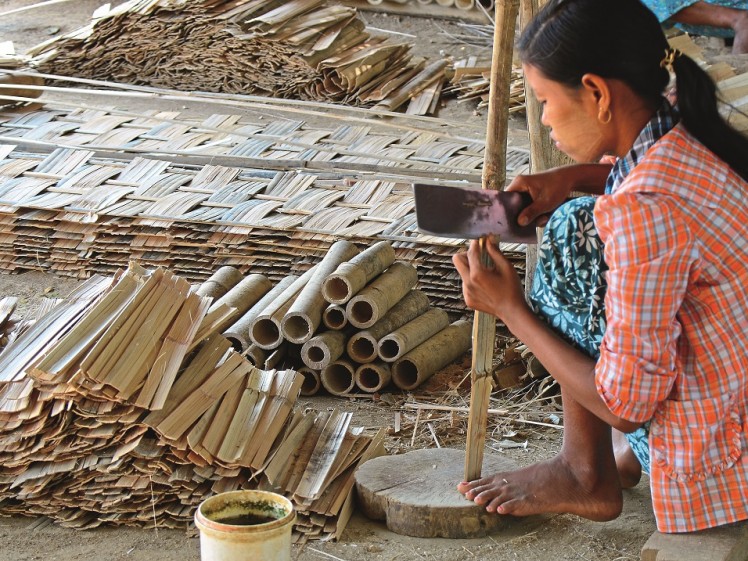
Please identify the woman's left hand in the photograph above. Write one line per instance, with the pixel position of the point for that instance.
(495, 290)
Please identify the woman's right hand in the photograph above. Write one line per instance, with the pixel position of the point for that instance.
(548, 189)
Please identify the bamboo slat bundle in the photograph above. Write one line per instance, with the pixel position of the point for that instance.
(80, 454)
(306, 49)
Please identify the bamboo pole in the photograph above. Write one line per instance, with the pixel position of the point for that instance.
(238, 333)
(220, 282)
(369, 305)
(429, 357)
(409, 336)
(373, 376)
(350, 277)
(265, 329)
(305, 314)
(362, 346)
(338, 377)
(323, 349)
(494, 176)
(241, 297)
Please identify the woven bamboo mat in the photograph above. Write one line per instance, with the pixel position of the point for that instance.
(83, 191)
(303, 49)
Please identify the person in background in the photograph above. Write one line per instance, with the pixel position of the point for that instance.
(639, 305)
(717, 18)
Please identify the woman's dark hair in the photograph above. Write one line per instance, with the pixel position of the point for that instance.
(623, 40)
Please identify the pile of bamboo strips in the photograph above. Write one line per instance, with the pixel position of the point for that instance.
(306, 49)
(84, 191)
(471, 80)
(354, 320)
(122, 404)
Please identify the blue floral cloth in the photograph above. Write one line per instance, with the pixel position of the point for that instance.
(666, 9)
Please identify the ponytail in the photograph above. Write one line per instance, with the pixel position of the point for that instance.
(698, 108)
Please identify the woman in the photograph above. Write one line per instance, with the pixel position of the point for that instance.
(639, 306)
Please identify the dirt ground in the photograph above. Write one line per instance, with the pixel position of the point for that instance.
(540, 538)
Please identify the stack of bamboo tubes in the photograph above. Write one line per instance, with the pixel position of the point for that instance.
(354, 320)
(97, 427)
(304, 49)
(84, 191)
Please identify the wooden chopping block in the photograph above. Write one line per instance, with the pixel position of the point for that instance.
(416, 494)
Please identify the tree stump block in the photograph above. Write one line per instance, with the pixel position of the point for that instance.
(416, 494)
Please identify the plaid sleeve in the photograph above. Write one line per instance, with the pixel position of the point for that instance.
(649, 251)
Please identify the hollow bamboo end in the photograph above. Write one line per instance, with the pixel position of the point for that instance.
(337, 289)
(297, 328)
(405, 374)
(361, 312)
(389, 349)
(362, 348)
(312, 383)
(338, 377)
(266, 334)
(334, 318)
(372, 377)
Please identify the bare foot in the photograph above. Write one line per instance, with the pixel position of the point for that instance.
(740, 44)
(549, 487)
(629, 468)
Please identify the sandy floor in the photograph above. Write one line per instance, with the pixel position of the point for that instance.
(541, 538)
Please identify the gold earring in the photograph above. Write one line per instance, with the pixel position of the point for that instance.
(604, 112)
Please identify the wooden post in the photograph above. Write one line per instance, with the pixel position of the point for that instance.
(543, 154)
(494, 176)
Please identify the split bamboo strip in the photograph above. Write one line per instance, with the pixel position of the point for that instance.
(362, 347)
(374, 376)
(393, 346)
(350, 277)
(305, 314)
(338, 377)
(425, 360)
(373, 302)
(323, 349)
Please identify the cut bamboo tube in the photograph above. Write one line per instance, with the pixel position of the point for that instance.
(238, 333)
(369, 305)
(373, 376)
(353, 275)
(393, 346)
(334, 317)
(256, 355)
(445, 2)
(241, 297)
(220, 282)
(494, 177)
(429, 357)
(265, 329)
(312, 383)
(323, 349)
(338, 377)
(465, 4)
(362, 346)
(305, 315)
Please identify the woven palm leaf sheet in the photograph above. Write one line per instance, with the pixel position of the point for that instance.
(302, 49)
(83, 191)
(78, 445)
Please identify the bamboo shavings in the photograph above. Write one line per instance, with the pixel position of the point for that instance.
(304, 49)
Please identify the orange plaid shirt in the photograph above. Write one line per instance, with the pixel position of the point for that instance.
(676, 346)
